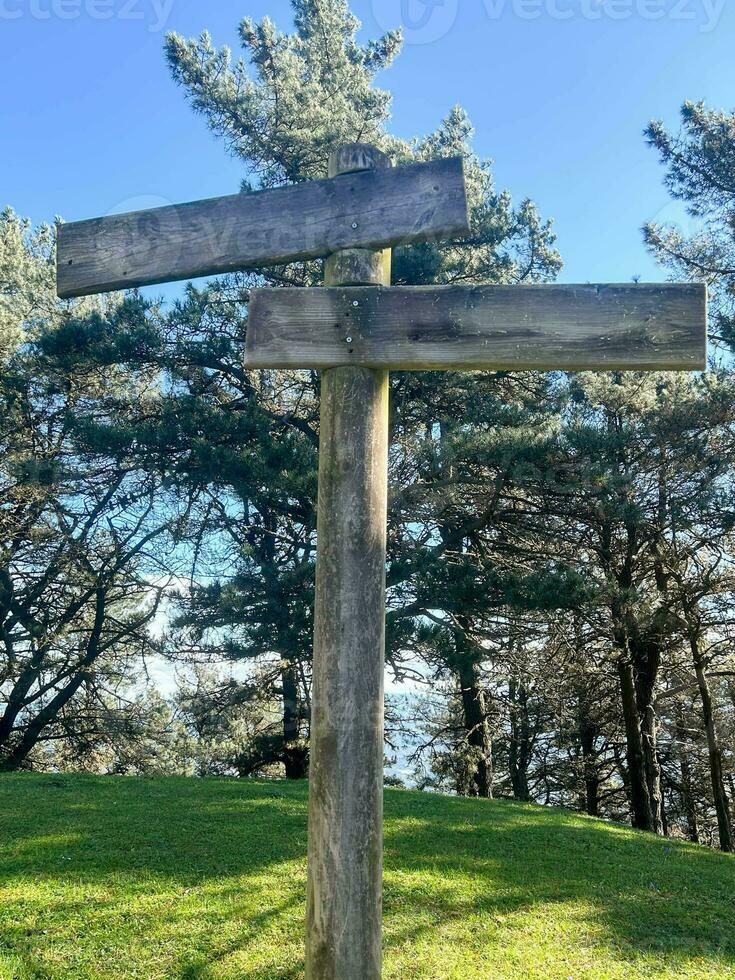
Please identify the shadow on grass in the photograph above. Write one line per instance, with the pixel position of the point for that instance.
(199, 868)
(203, 869)
(183, 830)
(497, 860)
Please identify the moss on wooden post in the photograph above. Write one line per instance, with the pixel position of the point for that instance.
(346, 771)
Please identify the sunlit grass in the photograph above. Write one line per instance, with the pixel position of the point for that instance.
(197, 879)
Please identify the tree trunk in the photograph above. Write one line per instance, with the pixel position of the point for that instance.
(640, 799)
(638, 665)
(478, 735)
(719, 794)
(664, 815)
(587, 735)
(50, 711)
(519, 756)
(649, 732)
(15, 700)
(645, 649)
(687, 794)
(295, 753)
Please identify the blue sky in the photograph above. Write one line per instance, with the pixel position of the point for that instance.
(558, 90)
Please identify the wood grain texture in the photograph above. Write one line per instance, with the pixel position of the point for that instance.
(344, 902)
(352, 157)
(514, 328)
(366, 209)
(358, 267)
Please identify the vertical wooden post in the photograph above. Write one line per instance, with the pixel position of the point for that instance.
(346, 769)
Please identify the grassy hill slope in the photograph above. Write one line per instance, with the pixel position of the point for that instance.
(199, 879)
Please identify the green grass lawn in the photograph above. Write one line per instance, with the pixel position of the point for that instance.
(195, 879)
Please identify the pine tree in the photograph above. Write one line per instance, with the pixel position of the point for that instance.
(76, 532)
(280, 112)
(700, 171)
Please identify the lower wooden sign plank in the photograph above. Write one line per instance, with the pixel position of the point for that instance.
(634, 326)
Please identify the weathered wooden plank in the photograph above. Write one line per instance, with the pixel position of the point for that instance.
(366, 209)
(540, 327)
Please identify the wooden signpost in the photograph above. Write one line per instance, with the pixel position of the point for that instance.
(356, 330)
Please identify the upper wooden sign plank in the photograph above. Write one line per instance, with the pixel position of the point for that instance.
(367, 209)
(515, 328)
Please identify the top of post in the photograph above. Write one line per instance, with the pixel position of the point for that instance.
(357, 266)
(349, 158)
